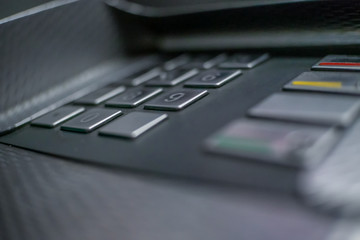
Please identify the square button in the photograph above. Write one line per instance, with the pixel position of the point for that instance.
(172, 78)
(322, 81)
(142, 77)
(215, 61)
(197, 61)
(100, 95)
(309, 108)
(273, 142)
(205, 61)
(90, 120)
(339, 62)
(133, 124)
(176, 100)
(212, 78)
(244, 60)
(60, 115)
(176, 62)
(133, 97)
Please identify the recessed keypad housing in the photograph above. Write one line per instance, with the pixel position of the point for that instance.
(150, 89)
(155, 120)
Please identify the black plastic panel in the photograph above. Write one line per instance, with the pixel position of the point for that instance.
(282, 25)
(175, 146)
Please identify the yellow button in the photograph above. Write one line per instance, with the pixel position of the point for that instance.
(318, 84)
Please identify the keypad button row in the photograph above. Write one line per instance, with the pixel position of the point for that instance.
(77, 119)
(175, 70)
(212, 78)
(206, 61)
(130, 126)
(173, 100)
(132, 97)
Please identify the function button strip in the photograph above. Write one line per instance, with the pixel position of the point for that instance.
(276, 130)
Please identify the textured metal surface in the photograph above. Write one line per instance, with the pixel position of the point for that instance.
(46, 198)
(48, 48)
(12, 7)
